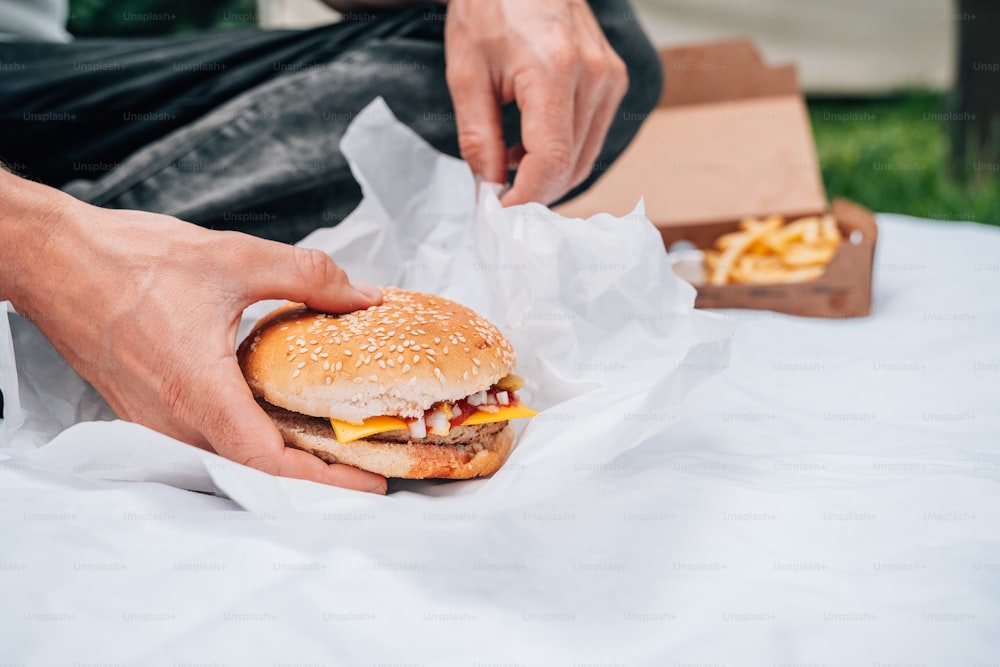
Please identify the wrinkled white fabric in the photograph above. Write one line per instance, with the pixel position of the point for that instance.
(832, 498)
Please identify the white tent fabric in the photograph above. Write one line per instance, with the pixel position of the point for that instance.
(831, 499)
(850, 46)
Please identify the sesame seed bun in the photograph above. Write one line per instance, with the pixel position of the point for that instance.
(466, 452)
(396, 359)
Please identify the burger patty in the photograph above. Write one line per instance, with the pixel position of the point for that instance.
(459, 436)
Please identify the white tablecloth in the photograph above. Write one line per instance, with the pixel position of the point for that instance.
(831, 499)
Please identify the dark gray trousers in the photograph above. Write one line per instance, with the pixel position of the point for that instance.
(241, 130)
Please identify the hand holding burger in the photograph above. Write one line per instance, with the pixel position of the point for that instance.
(150, 319)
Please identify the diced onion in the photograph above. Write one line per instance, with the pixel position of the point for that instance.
(491, 409)
(503, 398)
(491, 398)
(479, 398)
(438, 423)
(418, 429)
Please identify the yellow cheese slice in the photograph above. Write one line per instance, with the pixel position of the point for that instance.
(347, 432)
(505, 413)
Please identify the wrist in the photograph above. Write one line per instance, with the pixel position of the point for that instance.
(33, 218)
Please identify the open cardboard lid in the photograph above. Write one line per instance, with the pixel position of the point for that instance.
(730, 138)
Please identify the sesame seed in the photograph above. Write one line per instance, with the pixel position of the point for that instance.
(416, 358)
(413, 381)
(314, 357)
(406, 368)
(292, 337)
(381, 363)
(339, 365)
(326, 365)
(347, 353)
(329, 380)
(373, 378)
(296, 373)
(301, 364)
(324, 355)
(436, 340)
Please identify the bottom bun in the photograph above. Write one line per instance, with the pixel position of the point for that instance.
(468, 451)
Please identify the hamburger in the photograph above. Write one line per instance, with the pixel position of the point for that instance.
(418, 387)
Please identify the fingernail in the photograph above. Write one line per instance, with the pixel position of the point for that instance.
(369, 290)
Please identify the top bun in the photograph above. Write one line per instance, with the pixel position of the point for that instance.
(396, 359)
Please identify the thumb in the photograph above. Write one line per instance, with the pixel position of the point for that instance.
(239, 429)
(479, 124)
(279, 271)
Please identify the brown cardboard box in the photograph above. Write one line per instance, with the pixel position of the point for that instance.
(729, 139)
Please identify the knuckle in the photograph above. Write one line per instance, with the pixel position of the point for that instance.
(559, 159)
(562, 58)
(618, 72)
(268, 464)
(316, 268)
(460, 76)
(596, 64)
(473, 142)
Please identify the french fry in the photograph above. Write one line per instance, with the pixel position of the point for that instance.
(802, 254)
(831, 233)
(738, 246)
(767, 251)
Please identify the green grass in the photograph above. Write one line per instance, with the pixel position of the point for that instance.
(891, 155)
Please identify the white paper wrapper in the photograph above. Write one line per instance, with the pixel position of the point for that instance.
(605, 333)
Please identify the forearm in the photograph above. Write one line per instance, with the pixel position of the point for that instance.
(30, 216)
(357, 5)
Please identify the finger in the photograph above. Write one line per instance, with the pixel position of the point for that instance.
(478, 121)
(597, 133)
(303, 465)
(238, 429)
(546, 103)
(279, 271)
(604, 80)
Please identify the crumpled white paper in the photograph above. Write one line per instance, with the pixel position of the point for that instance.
(606, 336)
